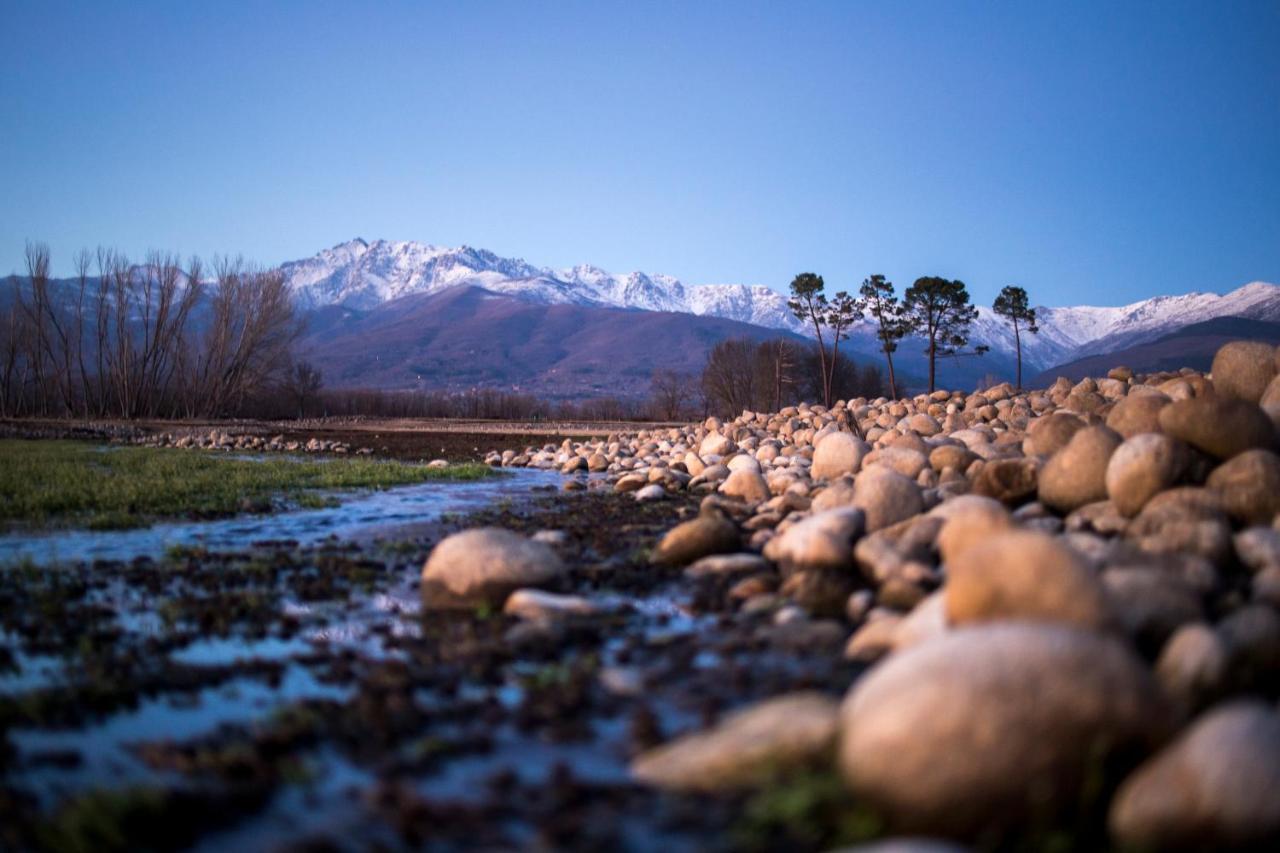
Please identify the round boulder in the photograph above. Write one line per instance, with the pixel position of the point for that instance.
(1022, 574)
(1077, 474)
(836, 454)
(750, 747)
(1214, 787)
(886, 497)
(1220, 426)
(943, 737)
(1249, 484)
(485, 565)
(1243, 369)
(709, 533)
(1142, 467)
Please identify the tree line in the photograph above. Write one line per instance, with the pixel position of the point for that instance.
(934, 308)
(155, 339)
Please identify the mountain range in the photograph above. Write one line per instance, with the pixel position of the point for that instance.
(367, 298)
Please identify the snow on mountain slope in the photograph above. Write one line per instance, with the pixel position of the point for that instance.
(363, 275)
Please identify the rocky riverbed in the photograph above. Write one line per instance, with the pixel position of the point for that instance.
(992, 620)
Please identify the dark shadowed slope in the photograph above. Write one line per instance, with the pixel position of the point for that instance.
(466, 337)
(1191, 346)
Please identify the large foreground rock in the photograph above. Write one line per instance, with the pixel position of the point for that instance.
(1217, 786)
(983, 728)
(484, 565)
(748, 748)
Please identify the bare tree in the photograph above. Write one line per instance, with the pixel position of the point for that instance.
(669, 391)
(302, 381)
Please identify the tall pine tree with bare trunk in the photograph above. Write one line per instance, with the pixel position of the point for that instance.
(879, 302)
(1012, 305)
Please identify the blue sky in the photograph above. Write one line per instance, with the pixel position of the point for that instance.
(1092, 152)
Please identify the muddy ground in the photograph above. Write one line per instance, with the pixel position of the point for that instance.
(284, 697)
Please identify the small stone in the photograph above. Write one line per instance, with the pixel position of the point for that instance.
(746, 485)
(944, 736)
(1249, 484)
(650, 493)
(748, 748)
(1013, 482)
(968, 520)
(1142, 467)
(821, 541)
(1150, 604)
(715, 444)
(1023, 575)
(1076, 474)
(886, 497)
(536, 605)
(873, 640)
(709, 533)
(904, 460)
(1136, 414)
(1223, 427)
(1258, 548)
(1243, 369)
(836, 454)
(727, 564)
(1049, 434)
(1252, 638)
(485, 565)
(1215, 787)
(1192, 667)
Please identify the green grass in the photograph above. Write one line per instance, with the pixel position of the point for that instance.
(68, 483)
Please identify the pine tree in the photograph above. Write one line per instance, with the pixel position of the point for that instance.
(1012, 305)
(938, 309)
(809, 305)
(881, 305)
(842, 312)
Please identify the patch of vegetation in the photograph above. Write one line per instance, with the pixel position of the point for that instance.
(67, 483)
(809, 809)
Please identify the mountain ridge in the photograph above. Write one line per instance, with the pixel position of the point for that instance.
(364, 274)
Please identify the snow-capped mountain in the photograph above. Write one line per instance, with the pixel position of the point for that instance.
(363, 275)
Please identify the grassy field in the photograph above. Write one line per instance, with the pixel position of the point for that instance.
(69, 483)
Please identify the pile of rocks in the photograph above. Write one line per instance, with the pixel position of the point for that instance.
(217, 439)
(1068, 599)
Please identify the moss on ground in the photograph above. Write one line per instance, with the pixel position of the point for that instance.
(69, 483)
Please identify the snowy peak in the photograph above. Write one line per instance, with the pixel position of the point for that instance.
(362, 275)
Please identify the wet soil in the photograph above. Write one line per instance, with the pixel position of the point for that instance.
(286, 696)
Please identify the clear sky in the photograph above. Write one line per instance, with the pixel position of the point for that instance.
(1092, 152)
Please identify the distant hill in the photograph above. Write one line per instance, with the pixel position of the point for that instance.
(1191, 346)
(466, 337)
